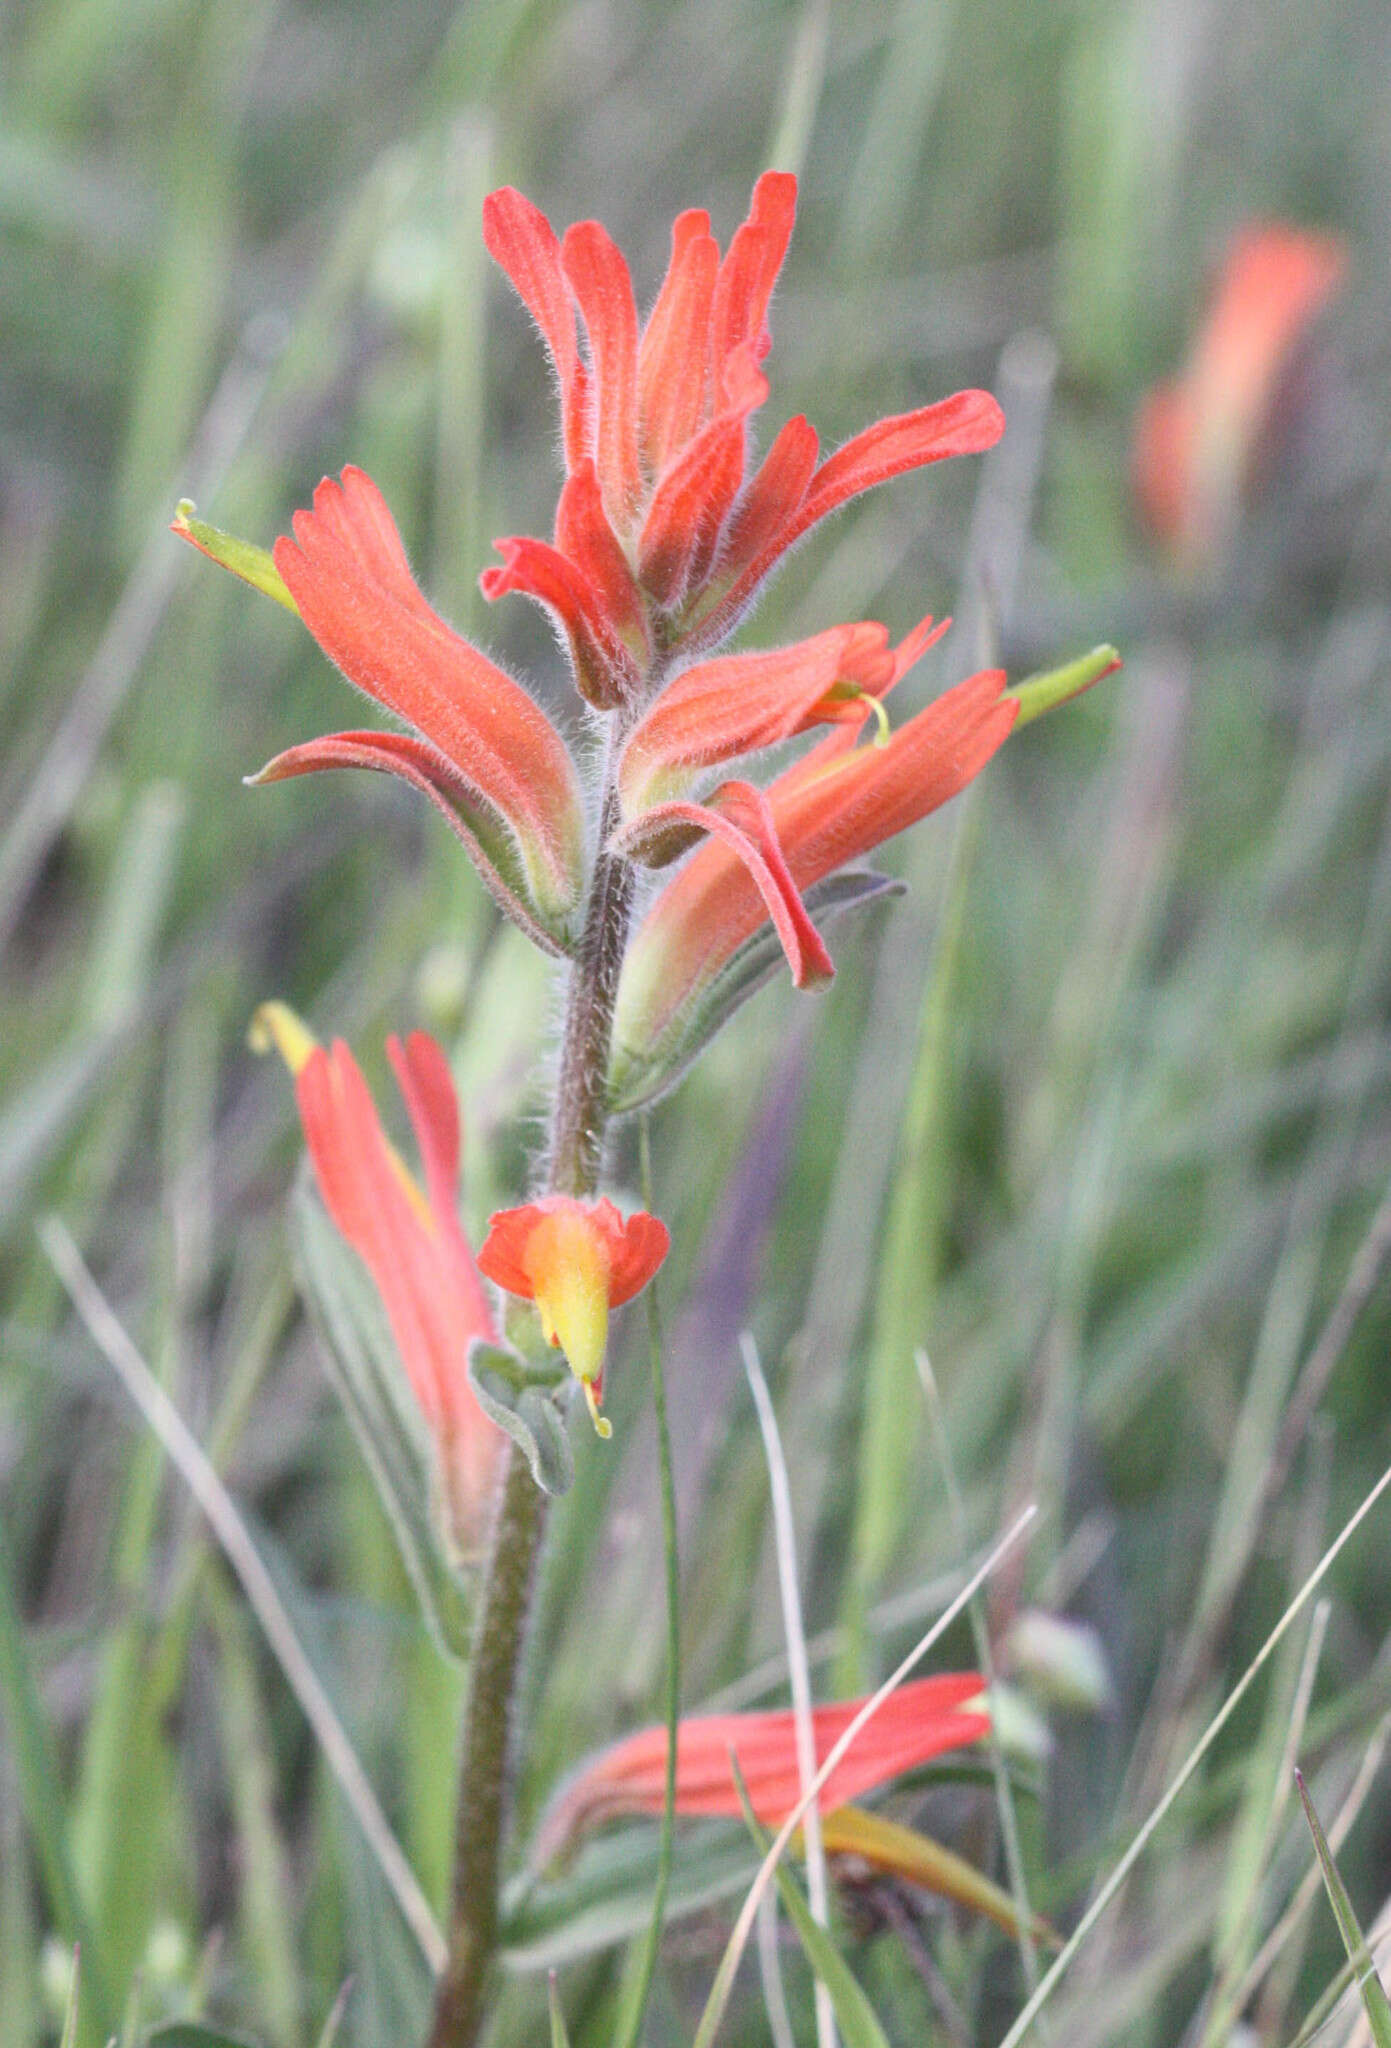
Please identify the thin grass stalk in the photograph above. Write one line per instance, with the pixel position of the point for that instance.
(798, 1672)
(1004, 1797)
(1127, 1863)
(631, 2028)
(191, 1462)
(738, 1940)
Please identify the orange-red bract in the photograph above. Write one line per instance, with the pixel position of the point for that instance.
(480, 747)
(411, 1243)
(660, 415)
(834, 805)
(919, 1721)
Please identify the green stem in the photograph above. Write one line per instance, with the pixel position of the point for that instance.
(577, 1142)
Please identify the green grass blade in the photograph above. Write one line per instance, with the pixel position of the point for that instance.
(1369, 1985)
(560, 2033)
(852, 2009)
(45, 1809)
(1195, 1756)
(69, 2036)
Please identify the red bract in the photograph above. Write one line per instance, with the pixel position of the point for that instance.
(411, 1242)
(838, 802)
(661, 414)
(918, 1722)
(576, 1260)
(481, 749)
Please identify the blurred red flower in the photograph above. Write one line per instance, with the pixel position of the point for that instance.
(1198, 437)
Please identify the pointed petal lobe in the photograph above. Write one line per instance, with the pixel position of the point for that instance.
(599, 277)
(522, 242)
(347, 572)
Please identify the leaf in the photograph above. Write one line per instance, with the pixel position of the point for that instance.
(560, 2037)
(69, 2038)
(360, 1359)
(638, 1080)
(853, 2010)
(192, 2034)
(1369, 1985)
(252, 564)
(519, 1397)
(928, 1864)
(605, 1897)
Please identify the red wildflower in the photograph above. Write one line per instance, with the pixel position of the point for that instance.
(411, 1242)
(1198, 437)
(576, 1260)
(916, 1723)
(655, 436)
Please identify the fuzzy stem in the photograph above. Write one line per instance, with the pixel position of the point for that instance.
(577, 1142)
(577, 1136)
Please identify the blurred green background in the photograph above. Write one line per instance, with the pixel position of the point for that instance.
(1098, 1114)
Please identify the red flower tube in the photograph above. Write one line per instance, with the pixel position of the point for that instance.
(837, 803)
(410, 1241)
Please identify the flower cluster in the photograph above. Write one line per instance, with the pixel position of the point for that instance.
(665, 529)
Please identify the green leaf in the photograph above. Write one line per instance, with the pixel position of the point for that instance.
(1369, 1984)
(605, 1897)
(853, 2010)
(191, 2034)
(560, 2036)
(69, 2039)
(252, 564)
(519, 1397)
(640, 1078)
(368, 1377)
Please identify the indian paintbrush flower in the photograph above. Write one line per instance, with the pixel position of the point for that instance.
(664, 531)
(920, 1721)
(576, 1260)
(409, 1239)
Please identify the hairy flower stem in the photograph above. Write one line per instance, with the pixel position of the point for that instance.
(505, 1599)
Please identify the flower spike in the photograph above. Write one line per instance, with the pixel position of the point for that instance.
(1198, 437)
(576, 1260)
